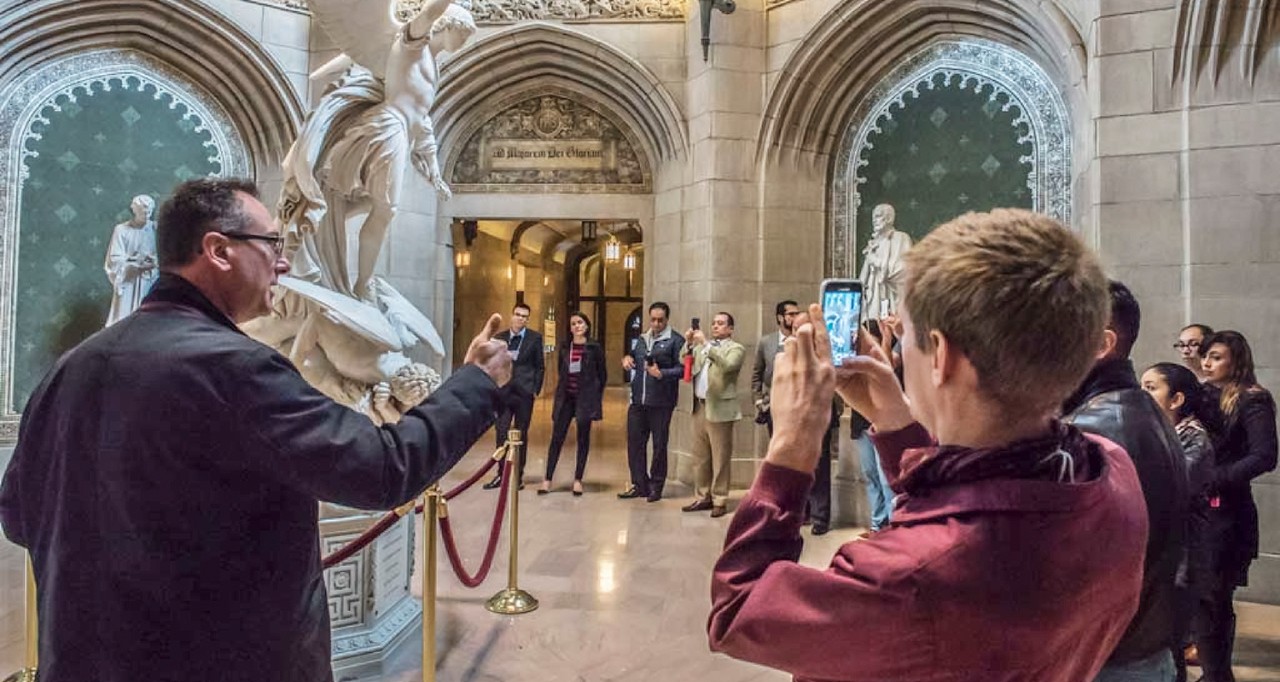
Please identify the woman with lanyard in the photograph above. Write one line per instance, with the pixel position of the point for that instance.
(579, 395)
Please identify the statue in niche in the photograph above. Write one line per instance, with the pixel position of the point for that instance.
(131, 259)
(348, 335)
(882, 264)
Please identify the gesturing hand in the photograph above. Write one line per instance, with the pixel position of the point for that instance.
(489, 355)
(867, 383)
(800, 396)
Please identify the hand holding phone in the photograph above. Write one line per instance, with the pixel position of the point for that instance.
(696, 324)
(842, 311)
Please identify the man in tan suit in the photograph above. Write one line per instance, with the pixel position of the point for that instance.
(715, 408)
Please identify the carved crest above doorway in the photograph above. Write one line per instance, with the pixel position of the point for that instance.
(512, 11)
(550, 142)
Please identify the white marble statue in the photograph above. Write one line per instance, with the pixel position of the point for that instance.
(131, 259)
(355, 146)
(882, 264)
(347, 335)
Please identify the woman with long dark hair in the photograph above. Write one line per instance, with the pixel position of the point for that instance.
(579, 395)
(1192, 409)
(1247, 450)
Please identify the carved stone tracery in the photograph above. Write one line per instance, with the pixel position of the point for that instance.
(972, 63)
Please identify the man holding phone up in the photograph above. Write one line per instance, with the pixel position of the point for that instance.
(655, 369)
(989, 569)
(716, 365)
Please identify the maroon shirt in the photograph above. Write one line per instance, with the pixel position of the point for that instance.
(983, 574)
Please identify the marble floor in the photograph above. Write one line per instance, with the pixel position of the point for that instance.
(623, 585)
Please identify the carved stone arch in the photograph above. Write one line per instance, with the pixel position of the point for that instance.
(859, 41)
(210, 78)
(546, 55)
(1009, 82)
(191, 38)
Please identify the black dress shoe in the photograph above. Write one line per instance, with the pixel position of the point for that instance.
(819, 529)
(630, 493)
(493, 484)
(655, 495)
(701, 504)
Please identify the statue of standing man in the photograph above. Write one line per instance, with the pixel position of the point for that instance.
(131, 259)
(882, 264)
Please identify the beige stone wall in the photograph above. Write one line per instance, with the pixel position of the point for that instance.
(1188, 201)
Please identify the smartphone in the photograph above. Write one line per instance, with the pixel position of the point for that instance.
(842, 310)
(696, 324)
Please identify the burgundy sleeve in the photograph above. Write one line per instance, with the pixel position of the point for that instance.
(891, 444)
(770, 610)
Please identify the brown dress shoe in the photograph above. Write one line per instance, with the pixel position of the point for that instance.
(698, 505)
(718, 510)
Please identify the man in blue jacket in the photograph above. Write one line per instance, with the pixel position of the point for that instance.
(654, 364)
(168, 469)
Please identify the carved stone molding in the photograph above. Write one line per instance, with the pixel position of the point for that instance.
(512, 11)
(1211, 34)
(975, 64)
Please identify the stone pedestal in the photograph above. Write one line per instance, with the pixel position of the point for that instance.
(371, 610)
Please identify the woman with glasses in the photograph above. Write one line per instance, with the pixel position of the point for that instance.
(1190, 348)
(579, 395)
(1247, 450)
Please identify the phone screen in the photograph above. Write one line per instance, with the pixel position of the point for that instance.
(841, 309)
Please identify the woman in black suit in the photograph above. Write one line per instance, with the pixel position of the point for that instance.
(579, 395)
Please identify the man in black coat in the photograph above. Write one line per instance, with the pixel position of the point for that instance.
(524, 345)
(1112, 404)
(168, 469)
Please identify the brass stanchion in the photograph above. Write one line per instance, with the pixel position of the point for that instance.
(513, 600)
(432, 505)
(28, 674)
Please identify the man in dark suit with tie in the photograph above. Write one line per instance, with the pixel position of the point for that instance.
(525, 347)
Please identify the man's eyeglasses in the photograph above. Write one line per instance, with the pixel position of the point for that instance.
(275, 240)
(791, 313)
(1189, 345)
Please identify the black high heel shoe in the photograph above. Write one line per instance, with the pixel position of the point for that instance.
(577, 488)
(546, 488)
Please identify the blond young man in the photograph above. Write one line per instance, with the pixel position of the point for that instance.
(990, 568)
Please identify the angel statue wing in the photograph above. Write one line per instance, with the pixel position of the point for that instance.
(409, 322)
(363, 29)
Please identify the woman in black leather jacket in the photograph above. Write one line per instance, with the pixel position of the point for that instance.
(1247, 450)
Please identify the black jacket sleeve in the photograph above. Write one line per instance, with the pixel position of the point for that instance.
(1258, 417)
(540, 364)
(296, 434)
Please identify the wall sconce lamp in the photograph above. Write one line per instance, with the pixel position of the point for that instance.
(462, 259)
(589, 230)
(612, 250)
(629, 261)
(725, 6)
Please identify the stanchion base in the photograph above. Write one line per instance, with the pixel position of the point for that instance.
(511, 601)
(29, 674)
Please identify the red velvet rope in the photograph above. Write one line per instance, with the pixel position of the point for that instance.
(451, 548)
(370, 534)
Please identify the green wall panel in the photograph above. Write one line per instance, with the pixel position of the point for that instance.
(93, 156)
(946, 152)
